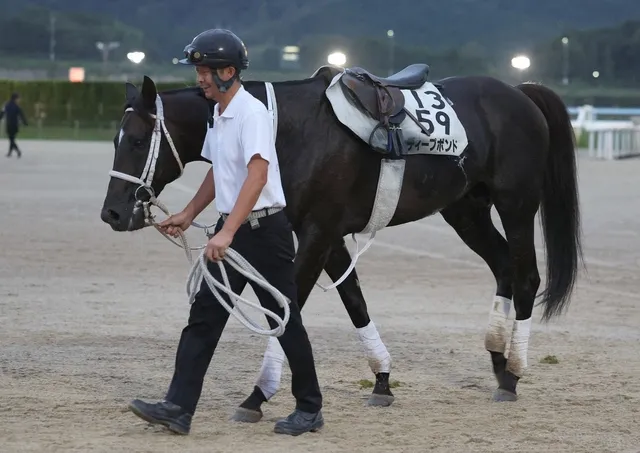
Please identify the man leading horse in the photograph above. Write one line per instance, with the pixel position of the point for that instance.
(244, 179)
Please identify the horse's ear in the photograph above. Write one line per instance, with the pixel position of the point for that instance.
(131, 92)
(149, 93)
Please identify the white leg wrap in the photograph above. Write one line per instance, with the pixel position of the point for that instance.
(374, 349)
(271, 371)
(495, 339)
(517, 361)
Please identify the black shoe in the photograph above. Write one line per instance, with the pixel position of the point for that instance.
(299, 422)
(163, 413)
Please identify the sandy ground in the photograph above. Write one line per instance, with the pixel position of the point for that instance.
(90, 319)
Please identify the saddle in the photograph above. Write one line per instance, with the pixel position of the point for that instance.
(382, 98)
(410, 78)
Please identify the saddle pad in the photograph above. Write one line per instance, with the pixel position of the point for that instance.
(426, 104)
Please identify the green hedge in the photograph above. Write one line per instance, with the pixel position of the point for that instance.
(93, 104)
(99, 104)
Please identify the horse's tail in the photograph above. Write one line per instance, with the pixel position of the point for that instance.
(560, 211)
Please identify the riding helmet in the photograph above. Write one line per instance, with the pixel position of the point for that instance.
(216, 48)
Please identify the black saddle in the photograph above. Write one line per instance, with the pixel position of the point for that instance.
(411, 77)
(382, 98)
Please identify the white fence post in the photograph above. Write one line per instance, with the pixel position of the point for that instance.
(611, 144)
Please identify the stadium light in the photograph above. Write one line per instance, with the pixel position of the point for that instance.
(520, 62)
(136, 57)
(337, 58)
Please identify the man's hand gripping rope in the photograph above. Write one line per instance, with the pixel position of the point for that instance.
(199, 272)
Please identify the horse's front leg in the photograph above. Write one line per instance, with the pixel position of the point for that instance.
(353, 300)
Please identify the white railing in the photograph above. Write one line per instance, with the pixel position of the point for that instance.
(588, 117)
(608, 138)
(611, 144)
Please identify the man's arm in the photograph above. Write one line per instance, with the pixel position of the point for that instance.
(249, 193)
(205, 195)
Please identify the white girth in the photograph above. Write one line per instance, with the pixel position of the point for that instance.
(384, 207)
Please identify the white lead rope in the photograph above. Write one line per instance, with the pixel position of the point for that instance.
(354, 260)
(199, 271)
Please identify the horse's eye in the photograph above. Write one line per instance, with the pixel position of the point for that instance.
(137, 143)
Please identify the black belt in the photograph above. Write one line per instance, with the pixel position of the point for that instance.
(255, 215)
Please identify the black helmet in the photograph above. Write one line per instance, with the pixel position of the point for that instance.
(216, 48)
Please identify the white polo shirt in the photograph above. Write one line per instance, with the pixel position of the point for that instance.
(244, 129)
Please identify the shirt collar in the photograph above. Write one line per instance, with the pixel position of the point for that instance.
(233, 106)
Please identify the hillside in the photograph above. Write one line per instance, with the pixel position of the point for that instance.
(167, 25)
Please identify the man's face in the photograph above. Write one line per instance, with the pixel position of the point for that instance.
(204, 77)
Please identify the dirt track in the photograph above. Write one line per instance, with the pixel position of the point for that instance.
(90, 318)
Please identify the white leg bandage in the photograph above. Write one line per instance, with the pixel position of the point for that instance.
(517, 361)
(374, 349)
(271, 371)
(495, 339)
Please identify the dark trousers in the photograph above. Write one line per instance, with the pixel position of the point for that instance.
(270, 249)
(12, 144)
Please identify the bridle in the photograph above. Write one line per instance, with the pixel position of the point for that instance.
(199, 271)
(145, 180)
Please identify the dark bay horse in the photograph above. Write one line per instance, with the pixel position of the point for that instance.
(520, 157)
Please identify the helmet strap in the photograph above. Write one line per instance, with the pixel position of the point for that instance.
(223, 87)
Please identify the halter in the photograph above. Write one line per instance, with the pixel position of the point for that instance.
(146, 179)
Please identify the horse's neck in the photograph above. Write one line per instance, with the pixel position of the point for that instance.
(293, 100)
(193, 138)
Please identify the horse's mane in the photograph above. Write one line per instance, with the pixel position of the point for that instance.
(192, 89)
(324, 73)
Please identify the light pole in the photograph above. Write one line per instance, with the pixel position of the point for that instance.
(105, 48)
(52, 45)
(390, 34)
(52, 37)
(565, 61)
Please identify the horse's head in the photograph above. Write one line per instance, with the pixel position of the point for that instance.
(157, 137)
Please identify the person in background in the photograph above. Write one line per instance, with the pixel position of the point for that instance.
(12, 112)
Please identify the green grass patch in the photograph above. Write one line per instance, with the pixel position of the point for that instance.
(550, 359)
(64, 133)
(368, 384)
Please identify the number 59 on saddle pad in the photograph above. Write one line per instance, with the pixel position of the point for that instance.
(427, 121)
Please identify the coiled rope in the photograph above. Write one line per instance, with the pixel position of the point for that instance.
(199, 271)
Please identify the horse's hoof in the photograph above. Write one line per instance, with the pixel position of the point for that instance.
(246, 415)
(502, 395)
(380, 400)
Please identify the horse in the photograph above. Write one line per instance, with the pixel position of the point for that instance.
(519, 156)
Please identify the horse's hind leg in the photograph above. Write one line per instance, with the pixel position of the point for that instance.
(353, 300)
(471, 218)
(517, 211)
